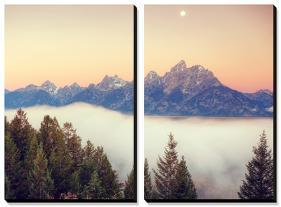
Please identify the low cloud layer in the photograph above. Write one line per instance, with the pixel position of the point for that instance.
(112, 130)
(216, 149)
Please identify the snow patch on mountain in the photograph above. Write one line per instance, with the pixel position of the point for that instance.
(195, 90)
(270, 109)
(111, 82)
(49, 87)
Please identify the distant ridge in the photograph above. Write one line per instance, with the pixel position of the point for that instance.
(183, 91)
(112, 93)
(196, 91)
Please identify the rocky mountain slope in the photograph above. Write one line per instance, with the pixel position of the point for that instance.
(196, 91)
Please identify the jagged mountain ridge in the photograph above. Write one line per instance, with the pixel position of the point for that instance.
(112, 92)
(196, 91)
(183, 91)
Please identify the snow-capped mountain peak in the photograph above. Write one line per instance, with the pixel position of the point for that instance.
(152, 78)
(111, 82)
(103, 94)
(266, 91)
(31, 87)
(199, 68)
(190, 81)
(74, 85)
(47, 83)
(180, 66)
(49, 87)
(196, 91)
(151, 75)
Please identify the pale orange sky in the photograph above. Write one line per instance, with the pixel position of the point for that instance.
(235, 42)
(67, 44)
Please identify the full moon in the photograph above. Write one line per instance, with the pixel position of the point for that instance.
(182, 13)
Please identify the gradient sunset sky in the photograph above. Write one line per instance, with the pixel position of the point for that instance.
(235, 42)
(66, 44)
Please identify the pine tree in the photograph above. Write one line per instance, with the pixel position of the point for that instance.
(185, 188)
(60, 168)
(75, 185)
(21, 132)
(32, 153)
(96, 161)
(165, 175)
(129, 190)
(7, 125)
(89, 151)
(82, 177)
(89, 175)
(108, 176)
(12, 167)
(59, 161)
(258, 183)
(147, 181)
(88, 165)
(41, 184)
(50, 134)
(73, 142)
(93, 190)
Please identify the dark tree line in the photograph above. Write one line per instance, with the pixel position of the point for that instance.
(52, 164)
(172, 179)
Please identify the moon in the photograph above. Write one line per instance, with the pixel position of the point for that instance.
(182, 13)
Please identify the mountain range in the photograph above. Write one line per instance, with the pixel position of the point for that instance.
(183, 91)
(112, 93)
(195, 91)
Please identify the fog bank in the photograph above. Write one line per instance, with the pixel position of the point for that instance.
(110, 129)
(216, 149)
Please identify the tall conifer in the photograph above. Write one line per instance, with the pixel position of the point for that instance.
(129, 190)
(41, 184)
(185, 188)
(73, 143)
(93, 190)
(21, 133)
(108, 176)
(147, 181)
(258, 183)
(55, 149)
(12, 167)
(165, 175)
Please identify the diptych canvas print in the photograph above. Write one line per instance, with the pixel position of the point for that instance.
(69, 103)
(209, 103)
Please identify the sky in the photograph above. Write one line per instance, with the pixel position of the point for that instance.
(67, 44)
(234, 42)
